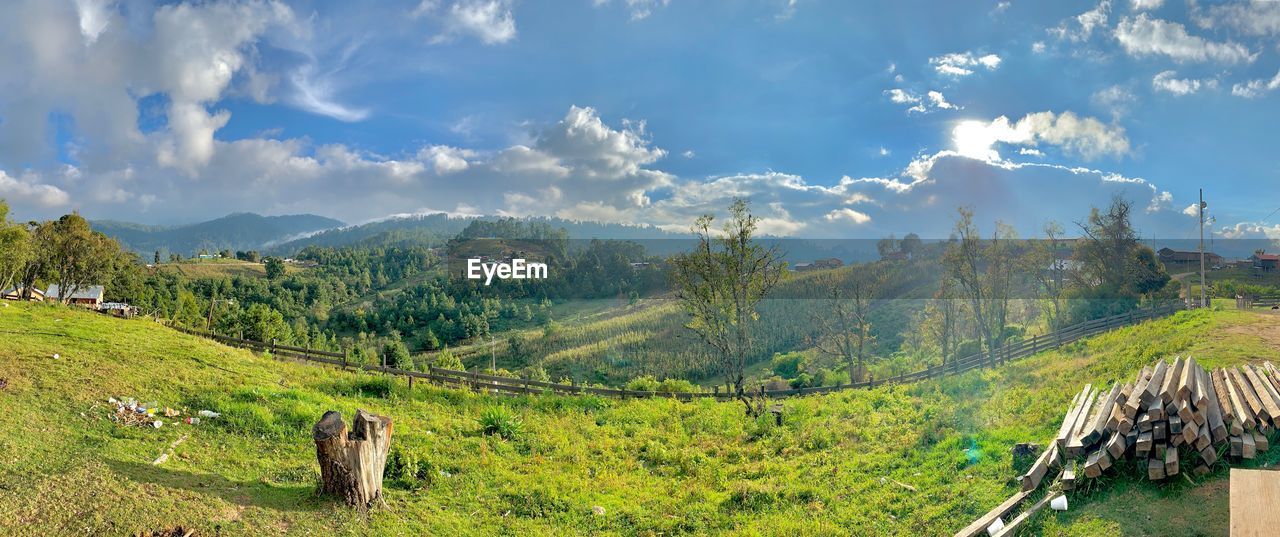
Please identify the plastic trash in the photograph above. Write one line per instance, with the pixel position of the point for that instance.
(1059, 503)
(209, 414)
(57, 356)
(157, 424)
(192, 420)
(995, 527)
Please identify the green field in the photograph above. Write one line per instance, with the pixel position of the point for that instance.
(655, 467)
(221, 268)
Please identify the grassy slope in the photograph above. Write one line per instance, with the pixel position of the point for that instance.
(655, 466)
(222, 268)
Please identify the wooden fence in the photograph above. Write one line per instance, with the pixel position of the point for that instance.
(517, 386)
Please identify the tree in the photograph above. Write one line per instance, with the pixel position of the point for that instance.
(942, 316)
(75, 255)
(1116, 270)
(845, 324)
(721, 283)
(1043, 262)
(964, 263)
(886, 246)
(261, 323)
(910, 244)
(396, 355)
(275, 268)
(15, 248)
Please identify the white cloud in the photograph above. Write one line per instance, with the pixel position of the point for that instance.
(1038, 47)
(1116, 99)
(1166, 81)
(848, 215)
(1192, 210)
(1255, 88)
(445, 160)
(688, 153)
(641, 9)
(932, 101)
(490, 21)
(315, 95)
(963, 63)
(1160, 202)
(1084, 136)
(1145, 36)
(1139, 5)
(1030, 151)
(95, 15)
(884, 151)
(1259, 17)
(1251, 230)
(27, 190)
(1081, 27)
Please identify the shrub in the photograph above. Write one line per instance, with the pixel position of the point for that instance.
(447, 360)
(787, 365)
(499, 420)
(677, 386)
(643, 384)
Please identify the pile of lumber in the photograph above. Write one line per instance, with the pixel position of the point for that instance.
(1174, 417)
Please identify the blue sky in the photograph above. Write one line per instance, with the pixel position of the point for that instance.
(837, 119)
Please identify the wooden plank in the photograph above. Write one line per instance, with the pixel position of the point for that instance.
(1201, 391)
(1243, 411)
(1093, 464)
(1119, 422)
(1246, 391)
(1134, 402)
(1253, 499)
(1068, 420)
(1031, 480)
(1263, 385)
(1209, 455)
(1224, 398)
(1117, 445)
(1237, 445)
(1260, 389)
(1012, 527)
(1152, 390)
(1169, 389)
(1217, 427)
(1260, 441)
(1093, 432)
(1187, 382)
(1155, 469)
(1249, 448)
(1171, 463)
(1075, 447)
(979, 526)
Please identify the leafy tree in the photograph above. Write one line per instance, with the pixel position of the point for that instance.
(275, 268)
(720, 285)
(396, 355)
(75, 255)
(911, 244)
(157, 257)
(15, 248)
(261, 323)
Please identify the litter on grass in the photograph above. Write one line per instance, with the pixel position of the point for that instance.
(128, 411)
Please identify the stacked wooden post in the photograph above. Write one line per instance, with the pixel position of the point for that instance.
(1175, 417)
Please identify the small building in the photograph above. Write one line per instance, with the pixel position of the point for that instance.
(15, 293)
(1264, 261)
(89, 296)
(119, 309)
(1170, 256)
(821, 264)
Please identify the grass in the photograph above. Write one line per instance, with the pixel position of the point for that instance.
(222, 268)
(573, 466)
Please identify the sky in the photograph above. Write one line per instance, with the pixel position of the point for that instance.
(835, 118)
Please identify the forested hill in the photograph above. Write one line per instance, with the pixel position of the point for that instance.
(436, 229)
(237, 231)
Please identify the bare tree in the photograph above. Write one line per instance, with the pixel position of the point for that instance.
(965, 264)
(942, 316)
(1044, 264)
(721, 283)
(845, 325)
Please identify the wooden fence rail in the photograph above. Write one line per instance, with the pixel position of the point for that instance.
(517, 386)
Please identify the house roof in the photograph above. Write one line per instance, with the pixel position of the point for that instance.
(93, 292)
(15, 290)
(1267, 257)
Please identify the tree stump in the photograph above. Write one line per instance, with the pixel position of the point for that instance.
(351, 463)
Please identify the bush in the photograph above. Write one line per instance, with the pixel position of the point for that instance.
(788, 365)
(676, 386)
(535, 372)
(499, 420)
(643, 384)
(446, 360)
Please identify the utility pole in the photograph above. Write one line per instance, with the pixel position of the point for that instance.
(1203, 283)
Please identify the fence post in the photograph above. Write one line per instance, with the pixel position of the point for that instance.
(273, 346)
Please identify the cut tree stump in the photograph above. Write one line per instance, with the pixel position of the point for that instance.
(351, 462)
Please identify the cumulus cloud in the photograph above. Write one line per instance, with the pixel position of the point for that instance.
(1145, 36)
(1139, 5)
(1084, 136)
(847, 214)
(1251, 230)
(1255, 88)
(1168, 82)
(490, 21)
(1192, 210)
(963, 63)
(95, 15)
(27, 190)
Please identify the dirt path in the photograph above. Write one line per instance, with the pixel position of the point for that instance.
(1266, 328)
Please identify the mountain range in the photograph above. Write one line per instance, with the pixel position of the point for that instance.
(236, 231)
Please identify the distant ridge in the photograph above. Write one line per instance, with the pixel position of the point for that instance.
(236, 231)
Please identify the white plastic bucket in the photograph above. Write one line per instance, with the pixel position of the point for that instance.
(1059, 503)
